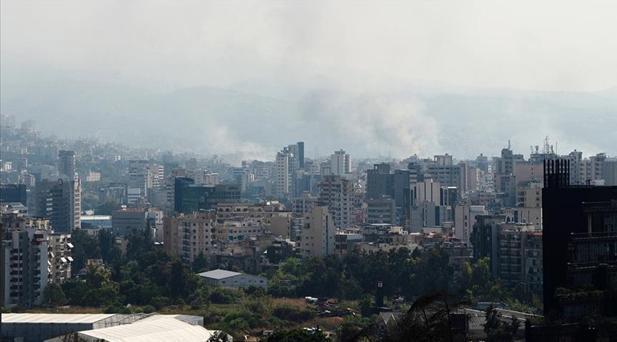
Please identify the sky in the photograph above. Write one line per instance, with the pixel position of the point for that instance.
(367, 76)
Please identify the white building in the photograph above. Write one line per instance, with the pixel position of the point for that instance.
(104, 327)
(234, 280)
(464, 220)
(281, 174)
(340, 163)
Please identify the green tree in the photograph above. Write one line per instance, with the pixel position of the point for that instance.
(297, 335)
(53, 295)
(200, 263)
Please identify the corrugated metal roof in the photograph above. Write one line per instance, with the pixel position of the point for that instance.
(218, 274)
(52, 318)
(151, 329)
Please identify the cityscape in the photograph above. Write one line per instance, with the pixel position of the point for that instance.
(336, 244)
(308, 171)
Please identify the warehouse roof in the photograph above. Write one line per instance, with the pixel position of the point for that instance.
(52, 318)
(218, 274)
(154, 328)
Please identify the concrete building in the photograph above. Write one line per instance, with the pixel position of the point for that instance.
(190, 197)
(234, 280)
(94, 223)
(139, 181)
(529, 195)
(60, 202)
(33, 256)
(14, 193)
(284, 169)
(381, 210)
(189, 235)
(465, 219)
(379, 181)
(520, 256)
(609, 172)
(230, 231)
(126, 220)
(336, 193)
(318, 234)
(340, 163)
(347, 241)
(66, 164)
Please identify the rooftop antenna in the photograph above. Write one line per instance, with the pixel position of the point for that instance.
(509, 144)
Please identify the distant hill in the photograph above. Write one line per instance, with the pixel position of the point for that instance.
(244, 124)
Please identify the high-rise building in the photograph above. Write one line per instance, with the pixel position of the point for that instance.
(281, 175)
(60, 202)
(379, 181)
(505, 182)
(318, 233)
(609, 172)
(33, 256)
(14, 193)
(340, 163)
(190, 197)
(519, 256)
(580, 235)
(300, 154)
(465, 219)
(336, 193)
(139, 182)
(514, 251)
(66, 164)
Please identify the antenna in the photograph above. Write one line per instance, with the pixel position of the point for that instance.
(509, 144)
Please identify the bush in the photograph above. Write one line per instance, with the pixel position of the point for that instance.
(159, 302)
(223, 296)
(290, 313)
(149, 309)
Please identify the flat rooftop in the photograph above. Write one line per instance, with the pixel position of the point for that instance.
(218, 274)
(53, 318)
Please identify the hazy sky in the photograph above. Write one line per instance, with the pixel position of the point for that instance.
(369, 50)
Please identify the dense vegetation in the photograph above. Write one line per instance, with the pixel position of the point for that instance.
(400, 272)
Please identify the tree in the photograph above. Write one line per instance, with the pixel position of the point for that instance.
(297, 335)
(53, 295)
(200, 263)
(86, 247)
(498, 330)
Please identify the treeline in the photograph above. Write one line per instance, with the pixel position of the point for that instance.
(399, 272)
(146, 276)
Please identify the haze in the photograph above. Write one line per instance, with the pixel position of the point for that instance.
(242, 78)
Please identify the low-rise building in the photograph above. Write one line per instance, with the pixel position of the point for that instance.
(234, 280)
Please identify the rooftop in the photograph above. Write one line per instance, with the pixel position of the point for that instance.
(53, 318)
(151, 329)
(218, 274)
